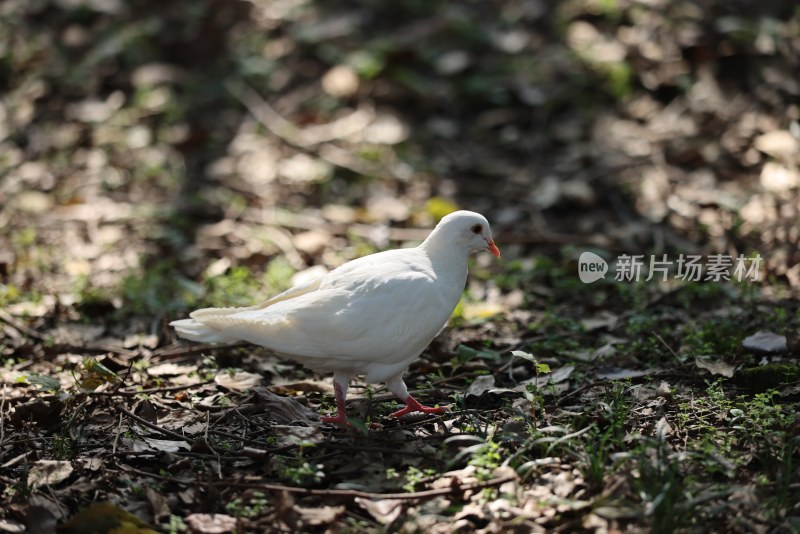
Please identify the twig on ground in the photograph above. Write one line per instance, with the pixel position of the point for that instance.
(282, 239)
(116, 438)
(152, 426)
(184, 350)
(100, 347)
(19, 327)
(2, 416)
(17, 459)
(242, 439)
(426, 494)
(311, 140)
(308, 137)
(585, 387)
(385, 450)
(212, 449)
(128, 393)
(670, 349)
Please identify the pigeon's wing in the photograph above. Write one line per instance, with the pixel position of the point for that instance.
(290, 293)
(366, 315)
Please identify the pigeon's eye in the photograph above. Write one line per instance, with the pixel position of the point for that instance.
(476, 229)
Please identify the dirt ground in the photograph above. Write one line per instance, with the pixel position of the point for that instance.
(163, 157)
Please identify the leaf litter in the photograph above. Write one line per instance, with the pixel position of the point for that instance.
(106, 241)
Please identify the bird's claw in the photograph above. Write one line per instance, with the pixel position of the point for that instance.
(412, 405)
(336, 420)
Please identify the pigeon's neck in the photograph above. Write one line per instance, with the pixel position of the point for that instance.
(447, 258)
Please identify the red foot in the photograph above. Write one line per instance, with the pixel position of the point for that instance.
(341, 409)
(413, 406)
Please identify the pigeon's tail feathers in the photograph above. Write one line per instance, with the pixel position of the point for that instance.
(197, 331)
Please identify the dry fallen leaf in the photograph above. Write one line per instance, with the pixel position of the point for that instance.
(159, 505)
(622, 374)
(211, 523)
(716, 368)
(384, 511)
(150, 444)
(590, 355)
(238, 381)
(480, 385)
(476, 311)
(764, 341)
(322, 515)
(284, 409)
(170, 369)
(10, 526)
(778, 143)
(48, 472)
(663, 428)
(604, 319)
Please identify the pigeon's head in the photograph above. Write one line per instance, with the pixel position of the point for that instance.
(470, 230)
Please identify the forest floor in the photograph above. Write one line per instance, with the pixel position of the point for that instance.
(184, 155)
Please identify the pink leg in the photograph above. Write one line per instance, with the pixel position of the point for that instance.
(398, 387)
(341, 409)
(412, 405)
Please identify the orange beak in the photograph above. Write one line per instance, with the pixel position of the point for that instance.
(493, 248)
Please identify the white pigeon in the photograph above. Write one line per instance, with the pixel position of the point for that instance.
(372, 316)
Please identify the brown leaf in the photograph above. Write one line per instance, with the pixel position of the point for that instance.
(716, 368)
(322, 515)
(663, 428)
(590, 355)
(170, 369)
(49, 472)
(158, 504)
(211, 523)
(765, 342)
(284, 410)
(622, 374)
(150, 444)
(10, 526)
(604, 319)
(480, 385)
(306, 386)
(777, 143)
(43, 412)
(385, 511)
(238, 381)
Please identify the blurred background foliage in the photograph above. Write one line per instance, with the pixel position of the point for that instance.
(156, 156)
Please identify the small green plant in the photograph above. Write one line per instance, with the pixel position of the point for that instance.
(20, 488)
(44, 383)
(415, 476)
(249, 507)
(237, 287)
(157, 289)
(61, 447)
(175, 525)
(138, 491)
(719, 337)
(486, 459)
(606, 435)
(304, 473)
(661, 486)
